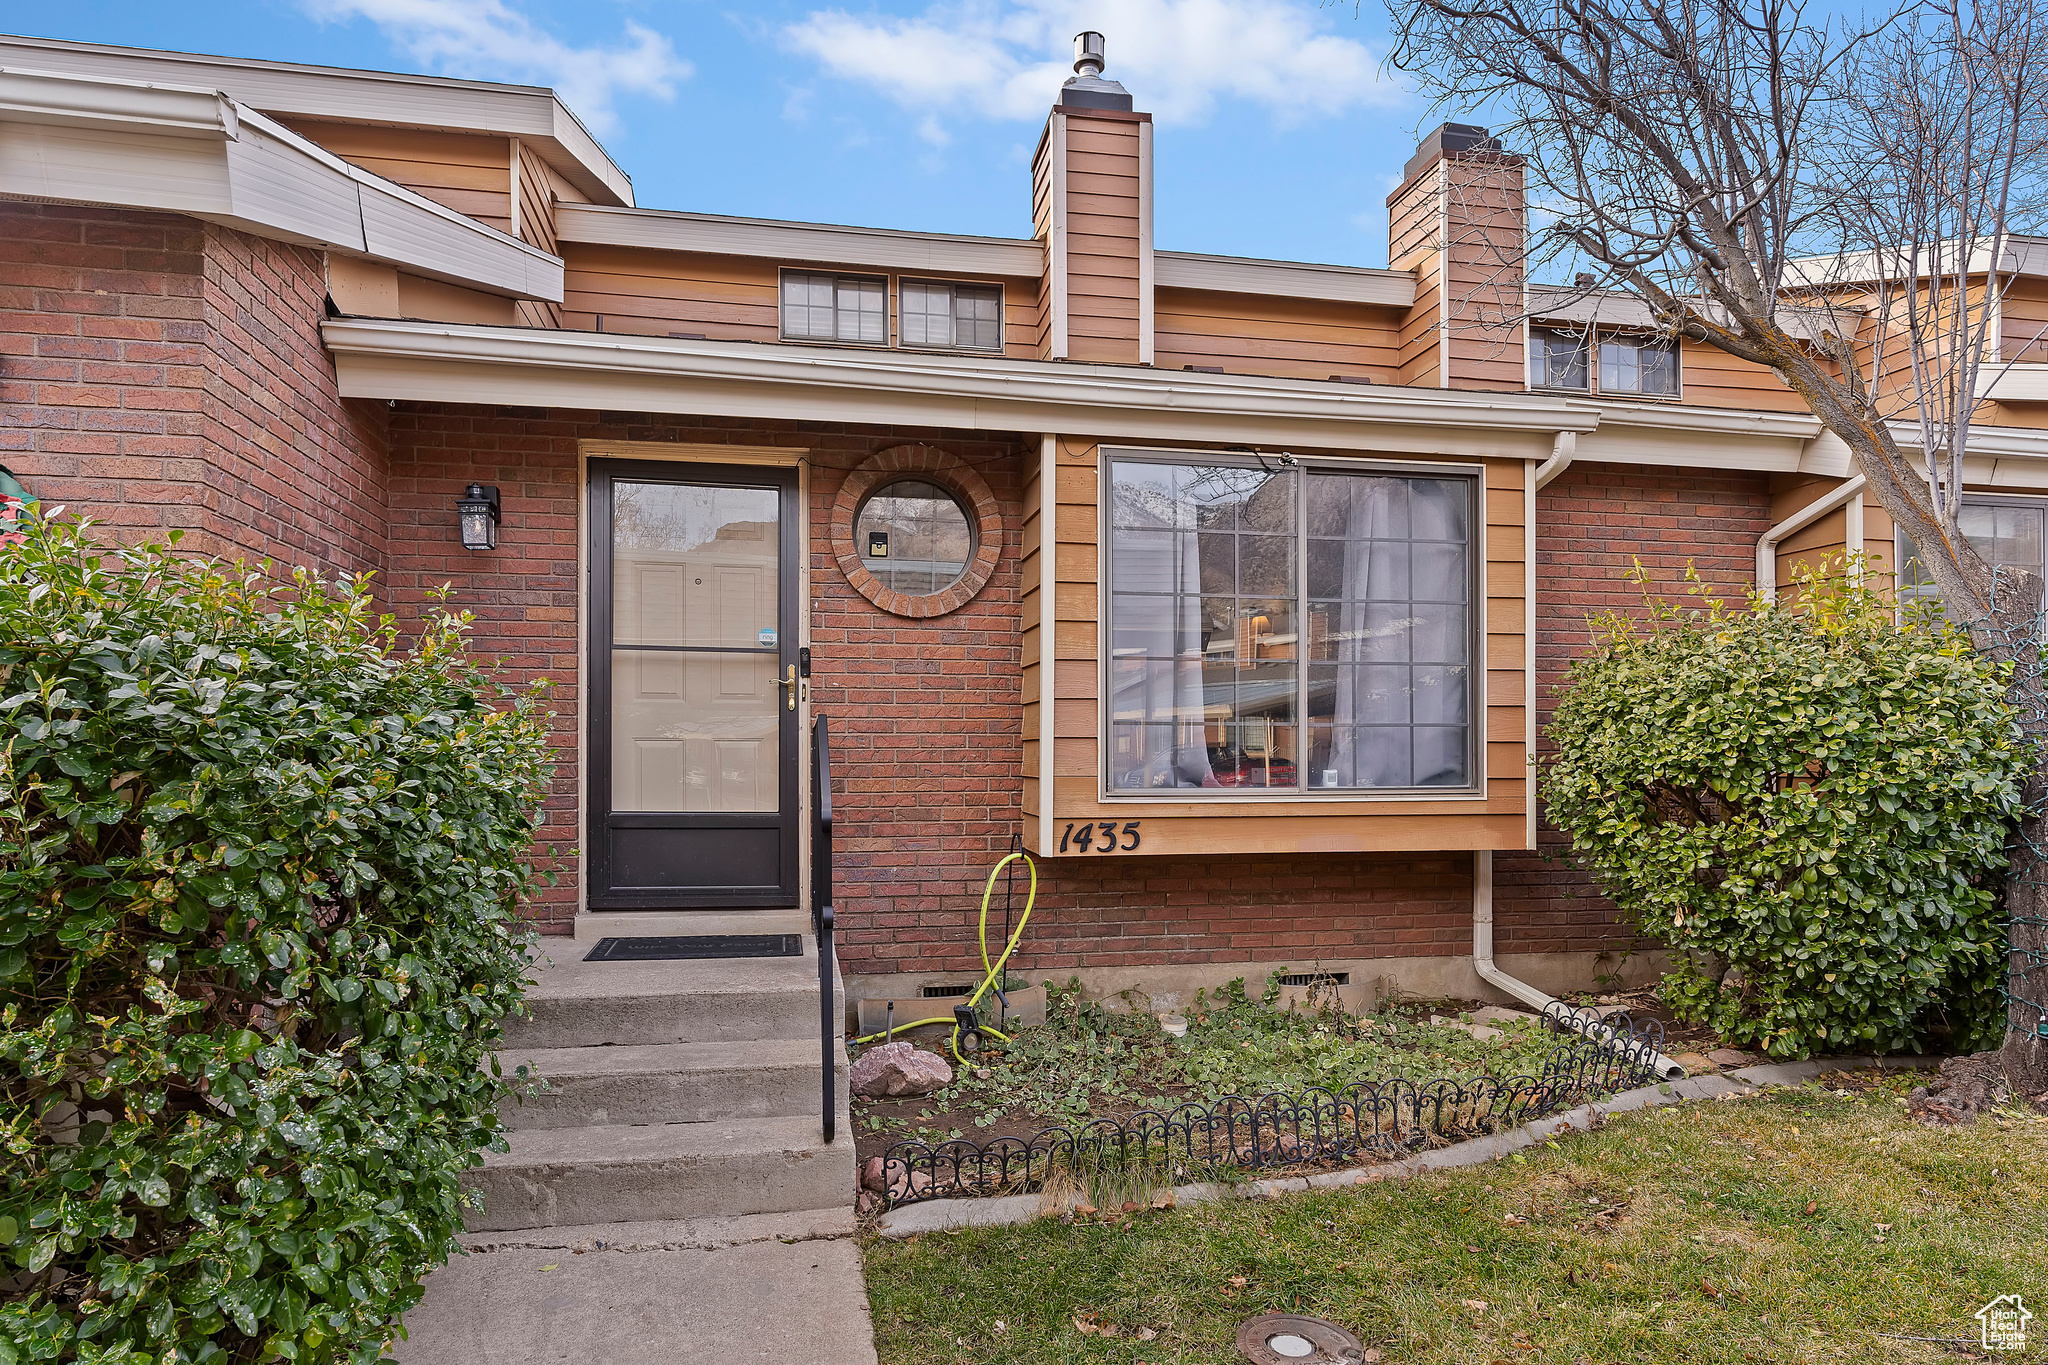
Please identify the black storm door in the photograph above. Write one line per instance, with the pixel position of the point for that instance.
(693, 689)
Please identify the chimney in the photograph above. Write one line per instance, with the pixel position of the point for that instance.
(1091, 203)
(1458, 221)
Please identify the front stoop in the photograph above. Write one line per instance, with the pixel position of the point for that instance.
(684, 1098)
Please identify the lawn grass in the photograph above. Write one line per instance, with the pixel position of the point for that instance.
(1679, 1234)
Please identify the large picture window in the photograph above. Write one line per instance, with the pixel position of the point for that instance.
(1288, 629)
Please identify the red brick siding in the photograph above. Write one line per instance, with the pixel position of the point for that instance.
(157, 372)
(1137, 912)
(1594, 522)
(297, 472)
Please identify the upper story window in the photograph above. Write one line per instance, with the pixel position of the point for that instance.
(1627, 365)
(953, 316)
(1557, 360)
(1305, 629)
(822, 307)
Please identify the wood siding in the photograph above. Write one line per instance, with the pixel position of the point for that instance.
(467, 172)
(1288, 338)
(1414, 242)
(1484, 211)
(1044, 213)
(1709, 377)
(1031, 577)
(535, 192)
(646, 292)
(1073, 740)
(1812, 546)
(1104, 203)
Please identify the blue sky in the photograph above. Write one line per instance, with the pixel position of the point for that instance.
(1279, 133)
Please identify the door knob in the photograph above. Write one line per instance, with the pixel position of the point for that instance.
(790, 683)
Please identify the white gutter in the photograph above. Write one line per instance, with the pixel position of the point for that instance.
(445, 362)
(1562, 449)
(1767, 544)
(1583, 1022)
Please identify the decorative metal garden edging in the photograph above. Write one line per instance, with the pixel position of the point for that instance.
(1316, 1125)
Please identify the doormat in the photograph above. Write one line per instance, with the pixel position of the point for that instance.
(695, 946)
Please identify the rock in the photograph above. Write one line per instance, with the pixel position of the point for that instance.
(1965, 1088)
(1693, 1063)
(1728, 1056)
(1479, 1031)
(895, 1069)
(893, 1178)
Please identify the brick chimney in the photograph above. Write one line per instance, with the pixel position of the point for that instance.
(1091, 203)
(1458, 221)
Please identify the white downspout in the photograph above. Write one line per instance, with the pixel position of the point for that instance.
(1579, 1021)
(1767, 544)
(1563, 447)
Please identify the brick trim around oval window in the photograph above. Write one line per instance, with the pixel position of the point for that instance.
(949, 472)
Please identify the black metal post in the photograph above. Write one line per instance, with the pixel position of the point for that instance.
(821, 909)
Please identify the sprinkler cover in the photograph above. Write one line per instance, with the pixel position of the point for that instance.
(1291, 1339)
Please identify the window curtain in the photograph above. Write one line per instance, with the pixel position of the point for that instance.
(1168, 689)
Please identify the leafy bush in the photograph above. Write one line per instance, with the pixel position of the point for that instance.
(256, 873)
(1810, 801)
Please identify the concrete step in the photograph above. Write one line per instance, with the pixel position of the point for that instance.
(767, 1290)
(620, 1173)
(597, 924)
(669, 1082)
(594, 1004)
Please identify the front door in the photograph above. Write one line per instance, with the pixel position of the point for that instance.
(693, 740)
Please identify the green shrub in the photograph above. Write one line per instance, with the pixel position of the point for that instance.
(1810, 801)
(256, 872)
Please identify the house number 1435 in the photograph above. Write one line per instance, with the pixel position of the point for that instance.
(1100, 836)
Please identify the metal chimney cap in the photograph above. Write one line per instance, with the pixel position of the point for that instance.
(1090, 53)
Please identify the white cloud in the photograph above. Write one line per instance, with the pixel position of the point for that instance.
(1006, 58)
(489, 40)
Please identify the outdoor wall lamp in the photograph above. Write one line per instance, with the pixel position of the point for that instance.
(477, 511)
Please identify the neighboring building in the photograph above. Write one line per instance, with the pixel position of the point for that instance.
(1232, 588)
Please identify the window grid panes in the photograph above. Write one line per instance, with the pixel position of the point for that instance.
(2010, 535)
(819, 307)
(954, 316)
(1636, 367)
(1288, 629)
(1557, 360)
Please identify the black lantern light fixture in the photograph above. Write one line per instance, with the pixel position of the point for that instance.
(477, 511)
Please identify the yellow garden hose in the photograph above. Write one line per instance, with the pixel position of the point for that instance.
(992, 972)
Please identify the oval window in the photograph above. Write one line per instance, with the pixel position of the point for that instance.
(914, 537)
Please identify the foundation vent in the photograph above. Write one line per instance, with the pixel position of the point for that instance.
(1316, 979)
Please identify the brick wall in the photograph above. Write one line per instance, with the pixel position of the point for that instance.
(296, 471)
(1595, 521)
(158, 372)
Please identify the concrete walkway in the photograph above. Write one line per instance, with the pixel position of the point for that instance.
(766, 1289)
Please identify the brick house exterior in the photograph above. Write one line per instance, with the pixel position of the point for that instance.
(320, 390)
